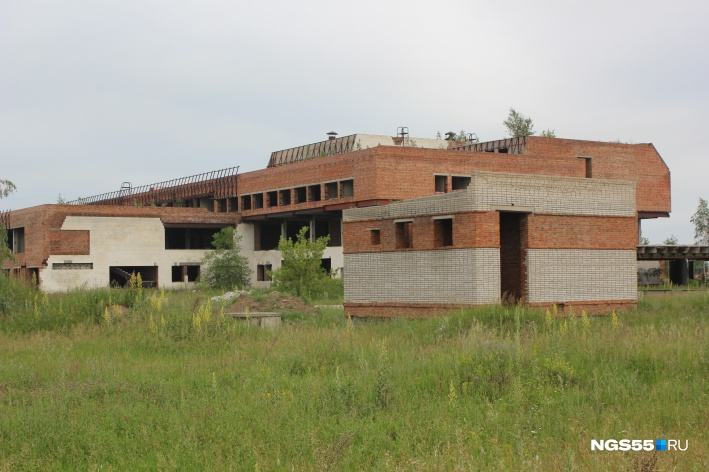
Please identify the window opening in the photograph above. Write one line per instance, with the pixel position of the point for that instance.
(441, 183)
(347, 188)
(404, 235)
(314, 191)
(460, 183)
(263, 272)
(179, 272)
(272, 199)
(443, 232)
(285, 197)
(300, 194)
(375, 236)
(330, 190)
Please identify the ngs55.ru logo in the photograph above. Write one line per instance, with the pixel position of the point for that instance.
(638, 445)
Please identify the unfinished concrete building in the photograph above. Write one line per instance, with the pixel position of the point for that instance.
(312, 185)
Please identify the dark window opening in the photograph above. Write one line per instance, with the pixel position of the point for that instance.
(330, 190)
(285, 197)
(16, 240)
(314, 191)
(189, 238)
(460, 183)
(257, 200)
(404, 235)
(179, 273)
(347, 188)
(221, 205)
(589, 169)
(233, 204)
(503, 150)
(443, 232)
(335, 233)
(375, 237)
(246, 202)
(322, 228)
(326, 263)
(266, 235)
(441, 183)
(300, 194)
(273, 198)
(263, 272)
(293, 227)
(120, 275)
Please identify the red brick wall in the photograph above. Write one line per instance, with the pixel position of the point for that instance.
(637, 162)
(477, 230)
(470, 230)
(389, 172)
(581, 232)
(65, 242)
(391, 310)
(396, 173)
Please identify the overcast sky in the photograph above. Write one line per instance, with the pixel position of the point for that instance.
(94, 93)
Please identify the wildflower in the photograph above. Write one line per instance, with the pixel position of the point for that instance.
(585, 321)
(152, 326)
(452, 394)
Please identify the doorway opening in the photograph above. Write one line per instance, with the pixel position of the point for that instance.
(513, 255)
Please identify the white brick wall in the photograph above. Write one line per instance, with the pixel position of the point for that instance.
(544, 194)
(553, 195)
(454, 276)
(568, 275)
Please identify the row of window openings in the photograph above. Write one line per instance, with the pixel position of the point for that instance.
(267, 234)
(457, 183)
(404, 234)
(308, 193)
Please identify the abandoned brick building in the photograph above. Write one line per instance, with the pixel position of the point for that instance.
(373, 182)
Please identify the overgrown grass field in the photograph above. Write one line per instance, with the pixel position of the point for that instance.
(172, 383)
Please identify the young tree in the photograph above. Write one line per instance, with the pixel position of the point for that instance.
(671, 241)
(6, 188)
(700, 219)
(548, 133)
(225, 267)
(518, 125)
(301, 272)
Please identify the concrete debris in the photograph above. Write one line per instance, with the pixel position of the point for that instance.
(230, 295)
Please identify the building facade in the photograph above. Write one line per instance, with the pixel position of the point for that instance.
(313, 185)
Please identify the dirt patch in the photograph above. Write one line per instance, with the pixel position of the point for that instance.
(274, 301)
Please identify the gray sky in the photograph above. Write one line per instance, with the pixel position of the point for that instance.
(94, 93)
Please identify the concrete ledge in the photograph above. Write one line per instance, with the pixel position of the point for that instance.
(262, 319)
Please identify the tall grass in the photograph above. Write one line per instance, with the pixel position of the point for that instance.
(172, 383)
